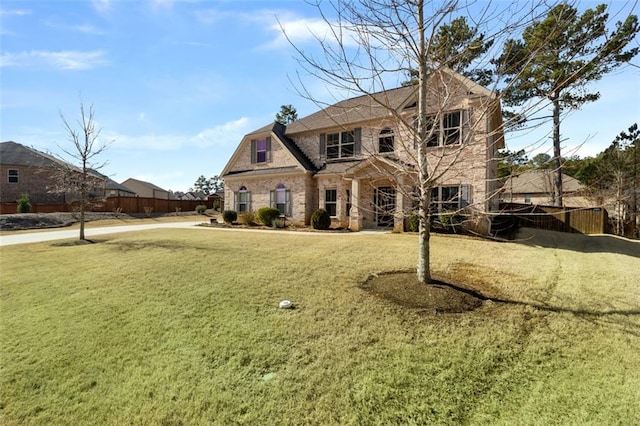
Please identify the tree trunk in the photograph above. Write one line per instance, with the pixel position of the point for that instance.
(424, 234)
(83, 195)
(557, 155)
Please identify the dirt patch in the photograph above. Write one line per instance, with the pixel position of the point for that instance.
(404, 289)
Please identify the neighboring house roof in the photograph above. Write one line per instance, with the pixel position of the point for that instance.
(539, 182)
(15, 154)
(110, 184)
(133, 183)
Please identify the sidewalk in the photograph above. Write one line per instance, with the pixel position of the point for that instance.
(38, 237)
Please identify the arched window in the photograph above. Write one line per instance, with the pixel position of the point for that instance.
(281, 199)
(242, 200)
(385, 140)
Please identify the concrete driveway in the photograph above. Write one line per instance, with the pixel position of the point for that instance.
(38, 237)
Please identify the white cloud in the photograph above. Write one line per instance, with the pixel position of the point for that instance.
(298, 31)
(103, 7)
(63, 60)
(14, 12)
(227, 134)
(224, 135)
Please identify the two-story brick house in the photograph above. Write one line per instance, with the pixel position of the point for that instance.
(358, 158)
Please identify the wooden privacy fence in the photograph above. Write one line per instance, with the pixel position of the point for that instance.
(126, 205)
(590, 220)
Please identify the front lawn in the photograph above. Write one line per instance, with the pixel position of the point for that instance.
(182, 327)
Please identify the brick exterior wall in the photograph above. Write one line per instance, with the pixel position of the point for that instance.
(37, 182)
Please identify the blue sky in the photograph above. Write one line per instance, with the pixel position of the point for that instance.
(176, 84)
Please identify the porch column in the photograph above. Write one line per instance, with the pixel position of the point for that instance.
(355, 218)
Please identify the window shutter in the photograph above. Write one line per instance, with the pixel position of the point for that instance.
(357, 136)
(269, 148)
(249, 201)
(272, 199)
(465, 195)
(253, 152)
(287, 200)
(323, 149)
(466, 125)
(235, 201)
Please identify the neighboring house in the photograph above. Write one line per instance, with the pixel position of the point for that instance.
(536, 187)
(358, 162)
(146, 189)
(25, 170)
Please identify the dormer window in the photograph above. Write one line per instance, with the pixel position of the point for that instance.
(385, 141)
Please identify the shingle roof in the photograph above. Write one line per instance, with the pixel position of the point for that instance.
(15, 154)
(143, 183)
(111, 184)
(539, 182)
(261, 172)
(354, 110)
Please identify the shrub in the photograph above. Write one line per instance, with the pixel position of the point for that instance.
(414, 222)
(148, 211)
(248, 218)
(229, 216)
(201, 209)
(278, 223)
(266, 215)
(320, 219)
(24, 206)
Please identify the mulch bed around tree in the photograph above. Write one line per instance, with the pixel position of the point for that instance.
(404, 289)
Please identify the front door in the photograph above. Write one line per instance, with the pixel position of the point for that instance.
(384, 200)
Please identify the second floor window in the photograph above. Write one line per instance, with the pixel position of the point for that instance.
(385, 141)
(447, 129)
(12, 176)
(261, 150)
(340, 145)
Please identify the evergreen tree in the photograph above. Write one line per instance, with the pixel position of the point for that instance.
(558, 57)
(287, 114)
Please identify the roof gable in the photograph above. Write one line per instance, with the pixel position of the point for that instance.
(277, 132)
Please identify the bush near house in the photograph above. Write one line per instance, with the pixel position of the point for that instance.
(24, 206)
(229, 216)
(248, 218)
(201, 209)
(266, 215)
(320, 219)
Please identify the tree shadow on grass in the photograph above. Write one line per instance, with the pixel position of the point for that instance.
(579, 242)
(444, 297)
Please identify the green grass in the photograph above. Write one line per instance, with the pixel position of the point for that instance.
(182, 327)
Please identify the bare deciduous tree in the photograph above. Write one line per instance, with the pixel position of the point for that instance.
(79, 175)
